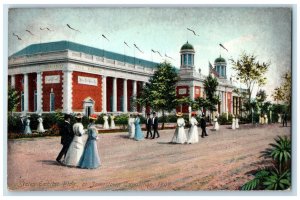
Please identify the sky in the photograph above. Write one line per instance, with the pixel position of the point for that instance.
(265, 32)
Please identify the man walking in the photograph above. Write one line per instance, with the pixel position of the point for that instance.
(155, 125)
(148, 125)
(67, 135)
(203, 126)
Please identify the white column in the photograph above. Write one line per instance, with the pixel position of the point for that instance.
(67, 92)
(13, 81)
(134, 93)
(226, 102)
(114, 95)
(125, 95)
(192, 92)
(25, 92)
(38, 92)
(144, 108)
(104, 94)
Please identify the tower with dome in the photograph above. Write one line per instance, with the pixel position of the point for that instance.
(191, 83)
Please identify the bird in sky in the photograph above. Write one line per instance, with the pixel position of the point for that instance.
(72, 28)
(192, 31)
(29, 32)
(17, 36)
(137, 48)
(223, 47)
(156, 52)
(105, 37)
(126, 44)
(169, 56)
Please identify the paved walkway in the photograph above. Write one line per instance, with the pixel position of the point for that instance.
(221, 161)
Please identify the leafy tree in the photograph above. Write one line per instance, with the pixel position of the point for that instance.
(160, 93)
(278, 94)
(250, 71)
(261, 96)
(210, 86)
(13, 99)
(284, 92)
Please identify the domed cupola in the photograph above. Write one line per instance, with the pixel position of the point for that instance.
(220, 66)
(187, 53)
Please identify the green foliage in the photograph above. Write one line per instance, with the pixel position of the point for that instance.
(279, 176)
(261, 96)
(12, 99)
(284, 92)
(100, 119)
(257, 181)
(250, 71)
(223, 120)
(210, 86)
(122, 120)
(160, 92)
(277, 181)
(14, 124)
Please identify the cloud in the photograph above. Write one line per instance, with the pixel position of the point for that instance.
(235, 44)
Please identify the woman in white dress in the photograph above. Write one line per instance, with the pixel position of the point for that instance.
(233, 122)
(131, 126)
(193, 131)
(40, 127)
(76, 148)
(279, 118)
(112, 122)
(179, 135)
(216, 124)
(237, 122)
(105, 125)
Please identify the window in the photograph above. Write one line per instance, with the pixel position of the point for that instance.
(22, 101)
(52, 102)
(122, 103)
(189, 59)
(35, 101)
(185, 57)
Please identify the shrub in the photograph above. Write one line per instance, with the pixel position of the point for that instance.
(122, 120)
(278, 176)
(14, 124)
(223, 119)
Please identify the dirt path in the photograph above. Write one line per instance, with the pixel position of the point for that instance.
(220, 161)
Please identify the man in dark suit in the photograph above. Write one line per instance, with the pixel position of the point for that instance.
(155, 125)
(67, 135)
(203, 126)
(148, 125)
(284, 120)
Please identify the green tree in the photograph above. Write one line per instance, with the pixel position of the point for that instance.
(13, 99)
(278, 94)
(250, 71)
(160, 93)
(210, 86)
(284, 92)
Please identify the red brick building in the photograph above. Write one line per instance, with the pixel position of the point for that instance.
(71, 77)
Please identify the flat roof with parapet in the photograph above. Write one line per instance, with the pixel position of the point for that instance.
(67, 45)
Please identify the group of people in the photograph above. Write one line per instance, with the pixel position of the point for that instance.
(112, 122)
(282, 118)
(135, 130)
(77, 150)
(180, 136)
(25, 120)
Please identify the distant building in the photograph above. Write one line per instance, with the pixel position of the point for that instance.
(192, 82)
(72, 77)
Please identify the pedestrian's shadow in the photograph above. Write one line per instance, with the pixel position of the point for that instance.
(124, 136)
(49, 162)
(170, 143)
